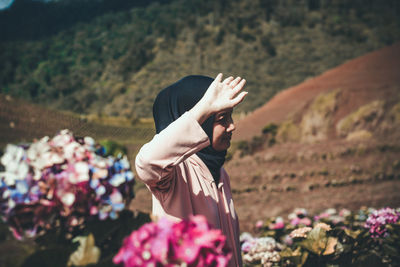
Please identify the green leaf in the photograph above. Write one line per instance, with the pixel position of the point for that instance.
(287, 252)
(353, 234)
(303, 259)
(87, 252)
(298, 257)
(330, 246)
(316, 241)
(343, 248)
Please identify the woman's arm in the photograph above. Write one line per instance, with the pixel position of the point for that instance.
(178, 141)
(184, 137)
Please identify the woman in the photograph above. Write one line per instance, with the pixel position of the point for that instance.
(182, 164)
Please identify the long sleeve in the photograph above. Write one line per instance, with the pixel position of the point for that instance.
(182, 138)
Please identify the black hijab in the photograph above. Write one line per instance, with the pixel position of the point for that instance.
(180, 97)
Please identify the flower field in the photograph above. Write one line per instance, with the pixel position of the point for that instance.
(368, 237)
(65, 201)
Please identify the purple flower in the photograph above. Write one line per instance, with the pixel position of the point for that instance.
(378, 219)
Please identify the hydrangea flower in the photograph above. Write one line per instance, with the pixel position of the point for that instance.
(278, 224)
(61, 180)
(331, 215)
(189, 242)
(378, 219)
(259, 224)
(261, 249)
(299, 217)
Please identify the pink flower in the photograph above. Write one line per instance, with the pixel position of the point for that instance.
(279, 224)
(168, 244)
(305, 221)
(259, 224)
(295, 221)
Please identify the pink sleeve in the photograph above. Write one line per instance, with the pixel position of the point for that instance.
(181, 139)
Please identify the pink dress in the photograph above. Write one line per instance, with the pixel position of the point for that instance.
(181, 184)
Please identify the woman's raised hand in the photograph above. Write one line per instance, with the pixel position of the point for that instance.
(223, 95)
(220, 96)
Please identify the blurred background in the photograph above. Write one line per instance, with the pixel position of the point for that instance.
(319, 128)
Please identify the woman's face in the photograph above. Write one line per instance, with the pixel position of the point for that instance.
(222, 130)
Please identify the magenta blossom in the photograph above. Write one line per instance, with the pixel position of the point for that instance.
(378, 219)
(165, 243)
(301, 221)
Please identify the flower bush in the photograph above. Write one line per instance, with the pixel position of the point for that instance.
(263, 250)
(367, 237)
(165, 243)
(61, 181)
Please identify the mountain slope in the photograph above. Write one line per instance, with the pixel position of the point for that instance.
(372, 76)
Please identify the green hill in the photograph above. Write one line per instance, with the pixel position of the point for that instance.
(116, 62)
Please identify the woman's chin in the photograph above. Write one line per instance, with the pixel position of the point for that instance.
(222, 146)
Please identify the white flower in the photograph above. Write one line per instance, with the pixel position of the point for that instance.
(69, 150)
(81, 173)
(125, 163)
(15, 166)
(99, 162)
(265, 249)
(62, 139)
(55, 158)
(246, 236)
(9, 178)
(11, 203)
(117, 180)
(68, 199)
(12, 153)
(38, 154)
(80, 153)
(331, 211)
(116, 197)
(89, 142)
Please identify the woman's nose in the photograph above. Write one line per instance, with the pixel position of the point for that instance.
(231, 127)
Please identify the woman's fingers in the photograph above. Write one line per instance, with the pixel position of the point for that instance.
(239, 98)
(234, 82)
(239, 87)
(218, 79)
(230, 87)
(228, 80)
